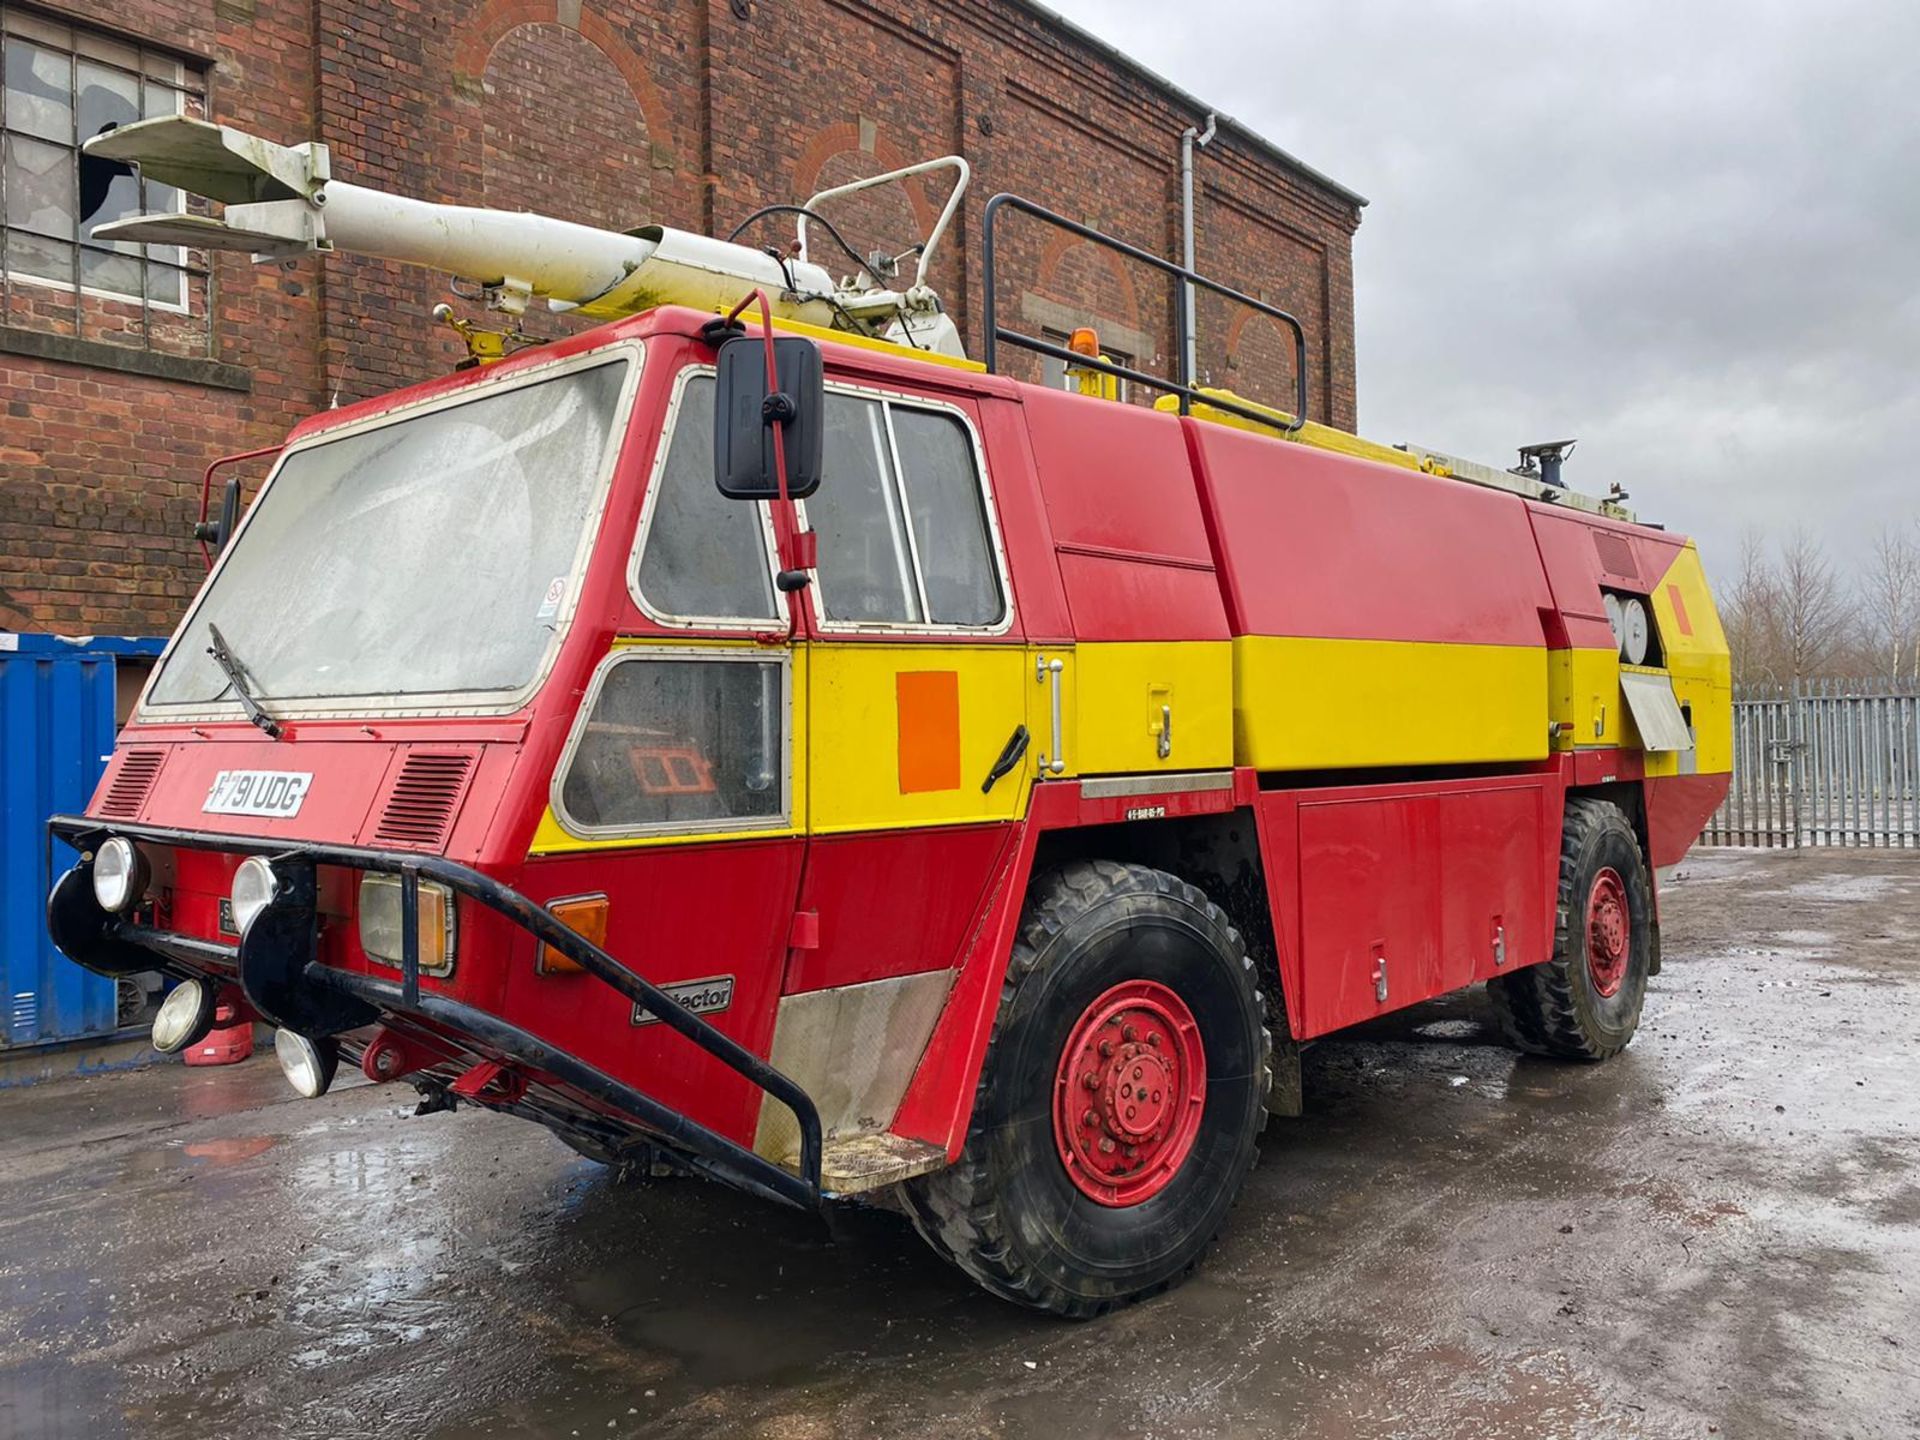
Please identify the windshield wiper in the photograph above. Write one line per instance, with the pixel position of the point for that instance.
(236, 677)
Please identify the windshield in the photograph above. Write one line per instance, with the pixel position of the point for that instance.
(430, 556)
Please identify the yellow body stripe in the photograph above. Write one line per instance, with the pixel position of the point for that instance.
(1274, 703)
(1315, 704)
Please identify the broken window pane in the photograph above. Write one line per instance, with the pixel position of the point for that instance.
(39, 92)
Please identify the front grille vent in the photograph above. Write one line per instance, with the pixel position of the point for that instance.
(424, 799)
(1616, 555)
(131, 782)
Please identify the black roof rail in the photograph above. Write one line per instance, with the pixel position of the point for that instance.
(1184, 387)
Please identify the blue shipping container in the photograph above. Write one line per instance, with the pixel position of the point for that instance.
(56, 732)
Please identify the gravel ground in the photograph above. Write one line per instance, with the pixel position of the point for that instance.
(1718, 1232)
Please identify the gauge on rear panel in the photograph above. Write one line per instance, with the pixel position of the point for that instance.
(1634, 631)
(1612, 602)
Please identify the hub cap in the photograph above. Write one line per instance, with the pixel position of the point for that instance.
(1128, 1095)
(1609, 932)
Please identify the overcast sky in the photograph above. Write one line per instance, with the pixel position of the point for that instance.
(1687, 233)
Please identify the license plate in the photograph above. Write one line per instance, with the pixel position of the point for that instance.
(275, 794)
(700, 997)
(227, 927)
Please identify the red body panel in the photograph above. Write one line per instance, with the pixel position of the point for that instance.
(1133, 550)
(1351, 549)
(894, 903)
(1678, 808)
(1425, 875)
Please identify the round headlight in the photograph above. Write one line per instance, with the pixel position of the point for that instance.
(1616, 615)
(254, 886)
(1633, 621)
(186, 1015)
(119, 875)
(308, 1064)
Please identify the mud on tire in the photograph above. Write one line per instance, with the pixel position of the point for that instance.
(1584, 1002)
(1019, 1211)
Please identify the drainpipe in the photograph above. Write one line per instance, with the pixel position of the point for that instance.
(1190, 138)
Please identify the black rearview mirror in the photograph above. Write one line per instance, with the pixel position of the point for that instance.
(216, 533)
(744, 409)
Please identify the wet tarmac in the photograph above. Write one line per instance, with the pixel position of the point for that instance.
(1718, 1233)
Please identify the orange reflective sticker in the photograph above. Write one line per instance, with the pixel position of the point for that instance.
(929, 709)
(1679, 610)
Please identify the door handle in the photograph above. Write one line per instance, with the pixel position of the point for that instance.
(1045, 671)
(1010, 754)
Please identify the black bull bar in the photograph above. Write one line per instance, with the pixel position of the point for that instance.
(288, 986)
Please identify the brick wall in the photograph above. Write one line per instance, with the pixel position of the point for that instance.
(686, 112)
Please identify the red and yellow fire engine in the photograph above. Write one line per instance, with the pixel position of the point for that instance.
(752, 735)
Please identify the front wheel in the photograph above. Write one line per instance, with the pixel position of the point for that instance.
(1583, 1002)
(1120, 1099)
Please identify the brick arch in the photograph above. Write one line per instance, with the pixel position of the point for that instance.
(1061, 244)
(846, 139)
(1279, 392)
(496, 19)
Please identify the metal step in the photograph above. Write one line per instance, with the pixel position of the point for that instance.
(855, 1164)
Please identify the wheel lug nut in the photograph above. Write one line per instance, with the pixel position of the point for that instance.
(1092, 1081)
(1153, 1039)
(1089, 1119)
(1129, 1033)
(1106, 1146)
(1106, 1049)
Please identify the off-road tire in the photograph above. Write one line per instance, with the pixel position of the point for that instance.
(1007, 1212)
(1556, 1008)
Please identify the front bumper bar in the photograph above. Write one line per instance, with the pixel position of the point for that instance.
(287, 984)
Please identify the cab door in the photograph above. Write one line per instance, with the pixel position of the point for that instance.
(919, 752)
(681, 794)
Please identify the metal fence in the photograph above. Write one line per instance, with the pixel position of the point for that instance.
(1824, 762)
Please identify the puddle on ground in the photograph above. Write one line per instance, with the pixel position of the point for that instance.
(227, 1151)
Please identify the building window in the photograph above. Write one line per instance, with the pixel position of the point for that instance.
(65, 84)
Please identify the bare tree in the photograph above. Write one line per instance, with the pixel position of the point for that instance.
(1812, 606)
(1750, 613)
(1890, 612)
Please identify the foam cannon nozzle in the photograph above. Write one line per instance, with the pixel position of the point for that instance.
(282, 201)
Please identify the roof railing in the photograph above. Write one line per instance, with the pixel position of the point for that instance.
(1185, 386)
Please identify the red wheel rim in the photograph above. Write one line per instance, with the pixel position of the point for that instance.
(1128, 1094)
(1609, 932)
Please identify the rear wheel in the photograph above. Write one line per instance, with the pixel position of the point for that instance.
(1584, 1002)
(1119, 1102)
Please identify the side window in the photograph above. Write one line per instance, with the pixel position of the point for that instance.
(902, 519)
(950, 534)
(681, 743)
(706, 555)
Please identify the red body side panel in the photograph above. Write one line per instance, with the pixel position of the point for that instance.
(687, 913)
(1678, 808)
(893, 903)
(1448, 882)
(1318, 544)
(1583, 552)
(1134, 554)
